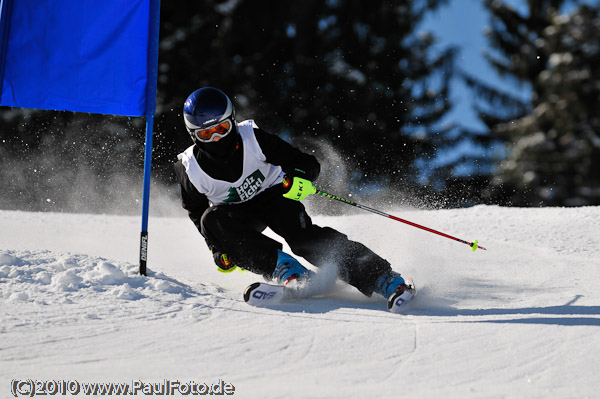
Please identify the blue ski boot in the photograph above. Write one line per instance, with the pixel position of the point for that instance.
(390, 283)
(289, 269)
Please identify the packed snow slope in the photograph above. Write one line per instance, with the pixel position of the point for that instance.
(520, 320)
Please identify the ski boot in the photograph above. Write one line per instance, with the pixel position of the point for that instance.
(389, 283)
(289, 269)
(397, 291)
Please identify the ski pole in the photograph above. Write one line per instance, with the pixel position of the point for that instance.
(301, 188)
(474, 245)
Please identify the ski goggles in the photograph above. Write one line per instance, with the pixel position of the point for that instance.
(212, 133)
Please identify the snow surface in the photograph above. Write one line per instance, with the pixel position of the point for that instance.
(521, 320)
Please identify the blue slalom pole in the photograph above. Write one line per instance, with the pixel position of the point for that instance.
(154, 25)
(146, 195)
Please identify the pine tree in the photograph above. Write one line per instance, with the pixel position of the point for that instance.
(353, 80)
(553, 144)
(342, 74)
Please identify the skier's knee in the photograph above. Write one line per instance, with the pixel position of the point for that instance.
(225, 219)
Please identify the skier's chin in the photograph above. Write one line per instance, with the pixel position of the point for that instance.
(219, 150)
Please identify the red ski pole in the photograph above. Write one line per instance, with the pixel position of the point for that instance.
(474, 245)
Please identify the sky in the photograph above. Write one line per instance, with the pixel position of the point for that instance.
(462, 23)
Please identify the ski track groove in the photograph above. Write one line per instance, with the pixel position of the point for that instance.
(278, 312)
(399, 363)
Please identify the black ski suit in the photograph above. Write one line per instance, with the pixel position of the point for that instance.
(236, 229)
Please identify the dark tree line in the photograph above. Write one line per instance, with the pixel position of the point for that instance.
(356, 83)
(347, 75)
(552, 142)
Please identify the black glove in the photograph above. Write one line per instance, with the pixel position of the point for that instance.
(223, 262)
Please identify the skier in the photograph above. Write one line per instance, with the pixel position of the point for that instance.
(233, 186)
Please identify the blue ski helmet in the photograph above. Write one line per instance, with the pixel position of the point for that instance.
(209, 115)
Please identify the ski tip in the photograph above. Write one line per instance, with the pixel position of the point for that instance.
(264, 294)
(249, 289)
